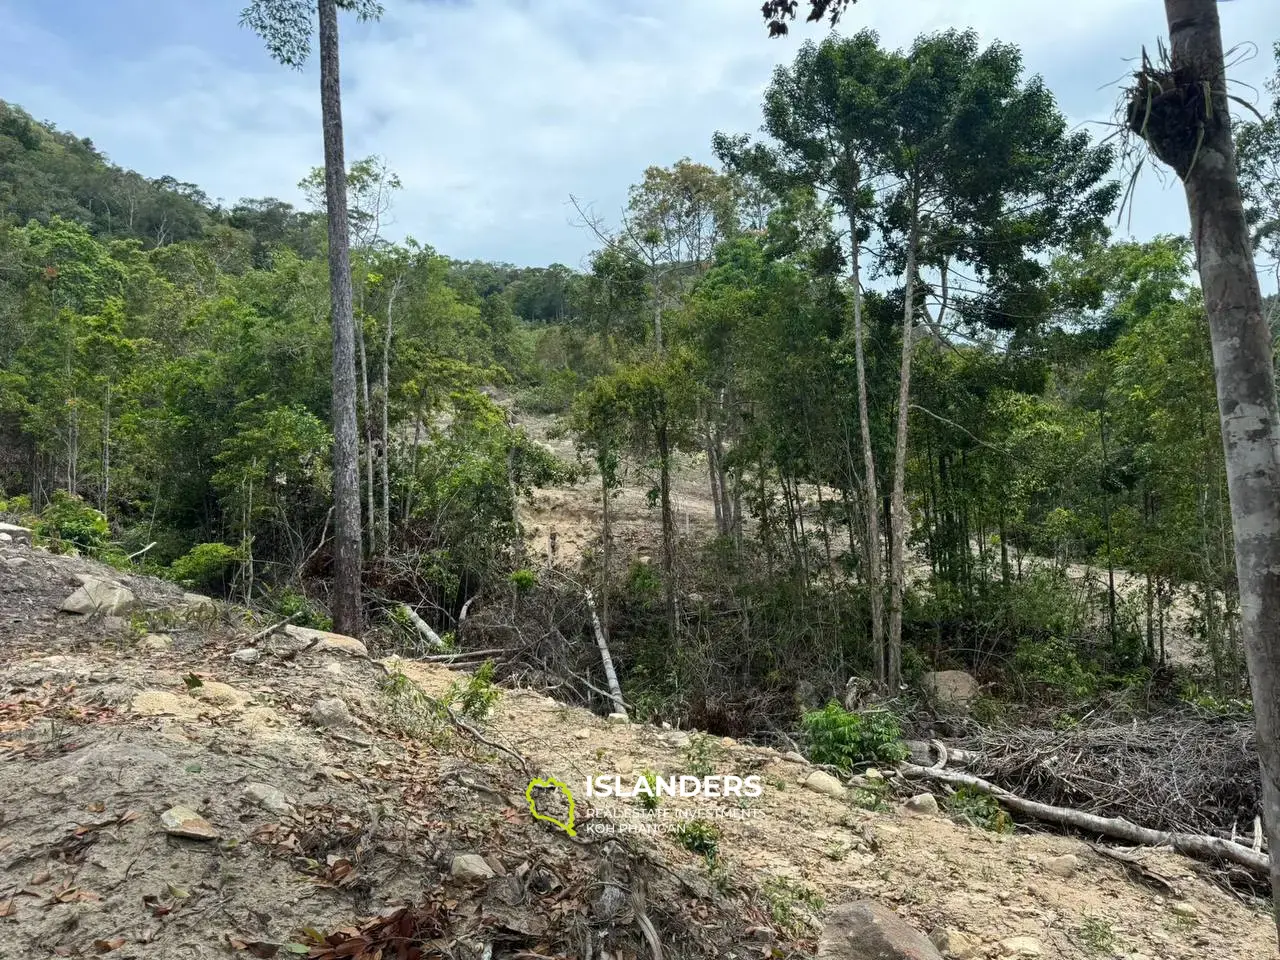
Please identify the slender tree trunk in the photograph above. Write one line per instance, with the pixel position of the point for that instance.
(898, 505)
(872, 550)
(106, 450)
(346, 442)
(385, 402)
(668, 532)
(371, 510)
(1242, 354)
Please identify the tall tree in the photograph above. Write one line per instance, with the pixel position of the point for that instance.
(285, 26)
(1181, 109)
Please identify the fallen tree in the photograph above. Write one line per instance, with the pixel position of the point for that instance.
(1199, 846)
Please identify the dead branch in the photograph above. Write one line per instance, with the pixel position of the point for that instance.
(1198, 846)
(422, 627)
(271, 629)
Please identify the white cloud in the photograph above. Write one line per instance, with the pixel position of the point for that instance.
(494, 112)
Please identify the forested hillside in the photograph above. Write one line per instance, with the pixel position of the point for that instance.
(1009, 464)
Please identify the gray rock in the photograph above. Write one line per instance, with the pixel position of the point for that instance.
(869, 931)
(331, 712)
(1184, 910)
(198, 601)
(951, 688)
(321, 641)
(795, 757)
(822, 782)
(924, 805)
(618, 718)
(100, 596)
(955, 945)
(156, 641)
(16, 563)
(247, 655)
(1064, 866)
(12, 533)
(184, 822)
(470, 867)
(268, 798)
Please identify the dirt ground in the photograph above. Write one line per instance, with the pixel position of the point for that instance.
(314, 825)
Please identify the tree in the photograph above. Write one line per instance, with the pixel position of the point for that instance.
(285, 25)
(1181, 109)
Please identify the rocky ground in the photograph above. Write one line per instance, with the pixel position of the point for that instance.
(170, 787)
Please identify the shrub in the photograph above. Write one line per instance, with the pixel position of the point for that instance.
(475, 698)
(1053, 664)
(980, 809)
(206, 565)
(68, 521)
(700, 837)
(523, 580)
(843, 739)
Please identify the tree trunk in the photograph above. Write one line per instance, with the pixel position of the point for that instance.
(1242, 354)
(385, 402)
(872, 547)
(371, 510)
(668, 532)
(346, 443)
(897, 503)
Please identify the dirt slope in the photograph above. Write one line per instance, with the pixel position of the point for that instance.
(103, 729)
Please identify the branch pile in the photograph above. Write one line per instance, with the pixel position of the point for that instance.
(1175, 771)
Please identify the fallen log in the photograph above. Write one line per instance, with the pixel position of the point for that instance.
(422, 626)
(606, 659)
(1198, 846)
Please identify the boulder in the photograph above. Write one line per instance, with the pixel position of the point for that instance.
(268, 798)
(955, 945)
(198, 601)
(100, 596)
(470, 867)
(321, 641)
(951, 688)
(157, 642)
(618, 718)
(16, 563)
(795, 757)
(330, 713)
(922, 805)
(246, 655)
(1064, 866)
(864, 930)
(184, 822)
(11, 532)
(1025, 948)
(822, 782)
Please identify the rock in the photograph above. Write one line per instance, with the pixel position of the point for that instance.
(676, 738)
(923, 805)
(611, 902)
(330, 713)
(582, 735)
(618, 718)
(198, 601)
(247, 655)
(222, 694)
(325, 642)
(871, 773)
(795, 757)
(1184, 910)
(951, 688)
(115, 624)
(100, 596)
(953, 944)
(728, 742)
(5, 538)
(156, 641)
(1020, 947)
(268, 797)
(822, 782)
(624, 766)
(470, 867)
(11, 532)
(16, 563)
(869, 931)
(1064, 866)
(184, 822)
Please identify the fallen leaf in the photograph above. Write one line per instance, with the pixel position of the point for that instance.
(7, 908)
(106, 946)
(97, 806)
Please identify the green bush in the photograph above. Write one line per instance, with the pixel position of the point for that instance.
(475, 698)
(206, 566)
(523, 580)
(1053, 664)
(68, 521)
(843, 739)
(288, 602)
(980, 809)
(700, 837)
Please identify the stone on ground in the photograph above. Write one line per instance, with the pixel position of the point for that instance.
(951, 688)
(198, 601)
(184, 822)
(1020, 947)
(14, 533)
(100, 596)
(331, 712)
(869, 931)
(268, 797)
(156, 641)
(924, 805)
(470, 867)
(1064, 866)
(955, 945)
(324, 642)
(822, 782)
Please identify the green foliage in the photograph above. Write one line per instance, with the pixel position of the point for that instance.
(523, 580)
(792, 905)
(699, 837)
(475, 697)
(1097, 935)
(980, 809)
(649, 801)
(67, 522)
(286, 601)
(206, 566)
(844, 740)
(701, 756)
(1054, 664)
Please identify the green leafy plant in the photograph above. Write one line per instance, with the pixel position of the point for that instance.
(980, 809)
(649, 801)
(843, 739)
(206, 565)
(871, 795)
(1096, 935)
(475, 697)
(785, 899)
(700, 756)
(523, 580)
(700, 837)
(68, 522)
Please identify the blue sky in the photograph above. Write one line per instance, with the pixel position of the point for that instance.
(494, 111)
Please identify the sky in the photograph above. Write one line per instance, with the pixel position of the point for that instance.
(494, 112)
